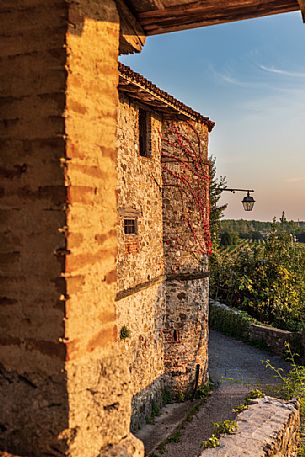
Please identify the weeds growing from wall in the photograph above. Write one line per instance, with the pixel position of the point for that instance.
(124, 333)
(226, 427)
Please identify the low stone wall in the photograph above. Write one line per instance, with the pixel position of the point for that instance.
(269, 427)
(237, 323)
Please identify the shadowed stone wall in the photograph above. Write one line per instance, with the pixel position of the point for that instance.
(64, 384)
(33, 392)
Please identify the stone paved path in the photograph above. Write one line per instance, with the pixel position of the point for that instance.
(236, 368)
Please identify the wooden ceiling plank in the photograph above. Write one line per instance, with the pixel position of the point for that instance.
(156, 24)
(302, 8)
(161, 16)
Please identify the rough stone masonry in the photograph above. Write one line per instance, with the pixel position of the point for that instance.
(67, 272)
(162, 284)
(268, 428)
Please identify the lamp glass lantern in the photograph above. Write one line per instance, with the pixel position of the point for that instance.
(248, 202)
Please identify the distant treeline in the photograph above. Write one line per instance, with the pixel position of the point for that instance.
(234, 230)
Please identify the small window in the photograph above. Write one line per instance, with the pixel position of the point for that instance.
(130, 226)
(144, 133)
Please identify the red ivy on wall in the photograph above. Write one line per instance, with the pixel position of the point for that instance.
(187, 170)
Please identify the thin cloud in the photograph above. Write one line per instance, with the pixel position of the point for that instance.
(228, 78)
(279, 71)
(295, 179)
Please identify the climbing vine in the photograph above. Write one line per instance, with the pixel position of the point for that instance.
(186, 169)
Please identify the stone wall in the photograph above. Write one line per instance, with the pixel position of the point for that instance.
(186, 244)
(64, 382)
(33, 394)
(166, 319)
(268, 428)
(98, 376)
(237, 323)
(67, 274)
(140, 286)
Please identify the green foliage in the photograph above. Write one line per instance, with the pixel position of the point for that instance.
(267, 280)
(240, 408)
(229, 238)
(257, 230)
(229, 322)
(167, 396)
(293, 386)
(254, 393)
(203, 390)
(216, 212)
(212, 442)
(180, 397)
(293, 382)
(155, 409)
(226, 427)
(175, 437)
(124, 333)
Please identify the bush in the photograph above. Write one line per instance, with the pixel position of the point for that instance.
(230, 322)
(266, 279)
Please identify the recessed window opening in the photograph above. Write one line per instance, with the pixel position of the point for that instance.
(144, 133)
(130, 226)
(176, 336)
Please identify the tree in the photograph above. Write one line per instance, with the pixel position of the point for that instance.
(216, 212)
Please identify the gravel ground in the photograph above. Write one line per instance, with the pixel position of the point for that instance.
(235, 368)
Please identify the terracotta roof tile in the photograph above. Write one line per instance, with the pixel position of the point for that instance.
(138, 84)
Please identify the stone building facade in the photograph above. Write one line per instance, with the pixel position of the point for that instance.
(162, 296)
(67, 379)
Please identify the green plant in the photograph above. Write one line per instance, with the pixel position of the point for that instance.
(216, 211)
(226, 427)
(293, 382)
(124, 333)
(301, 450)
(229, 322)
(180, 397)
(203, 390)
(167, 396)
(240, 408)
(212, 442)
(266, 279)
(155, 409)
(254, 393)
(174, 437)
(293, 386)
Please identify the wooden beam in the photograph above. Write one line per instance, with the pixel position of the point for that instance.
(302, 8)
(209, 12)
(132, 36)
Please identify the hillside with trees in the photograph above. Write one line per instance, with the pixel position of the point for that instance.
(232, 231)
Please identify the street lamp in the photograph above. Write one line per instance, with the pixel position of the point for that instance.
(247, 201)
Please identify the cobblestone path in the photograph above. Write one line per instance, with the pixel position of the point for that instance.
(236, 368)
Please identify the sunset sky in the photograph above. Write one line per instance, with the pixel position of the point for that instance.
(249, 77)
